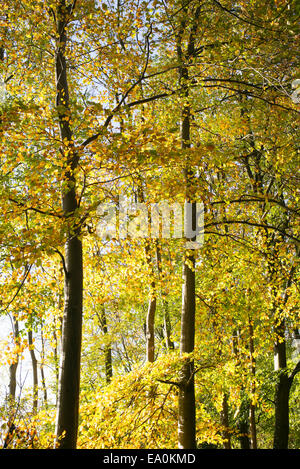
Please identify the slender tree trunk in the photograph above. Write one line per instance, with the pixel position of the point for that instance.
(186, 403)
(253, 387)
(186, 395)
(69, 379)
(167, 322)
(225, 423)
(107, 349)
(150, 321)
(43, 380)
(150, 318)
(243, 424)
(58, 326)
(13, 367)
(282, 391)
(243, 418)
(284, 380)
(56, 362)
(12, 381)
(34, 372)
(12, 386)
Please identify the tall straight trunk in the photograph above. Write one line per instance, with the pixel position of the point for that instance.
(225, 422)
(150, 318)
(253, 387)
(34, 372)
(282, 396)
(69, 378)
(284, 379)
(56, 362)
(43, 380)
(12, 385)
(150, 321)
(186, 396)
(243, 417)
(243, 423)
(282, 391)
(12, 381)
(58, 326)
(107, 348)
(167, 322)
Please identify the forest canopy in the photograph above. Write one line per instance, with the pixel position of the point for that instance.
(149, 224)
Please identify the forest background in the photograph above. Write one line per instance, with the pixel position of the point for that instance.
(141, 341)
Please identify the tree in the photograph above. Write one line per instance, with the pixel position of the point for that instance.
(150, 102)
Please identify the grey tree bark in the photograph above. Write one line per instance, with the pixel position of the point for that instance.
(225, 422)
(107, 348)
(167, 322)
(43, 379)
(186, 395)
(34, 372)
(150, 318)
(282, 391)
(12, 385)
(253, 432)
(69, 378)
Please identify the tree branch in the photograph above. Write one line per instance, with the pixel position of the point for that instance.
(63, 262)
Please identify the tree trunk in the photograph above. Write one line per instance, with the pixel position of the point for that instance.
(69, 379)
(253, 387)
(282, 391)
(284, 380)
(150, 318)
(186, 395)
(13, 367)
(56, 341)
(34, 372)
(12, 386)
(12, 381)
(225, 423)
(243, 424)
(42, 371)
(107, 350)
(186, 404)
(167, 322)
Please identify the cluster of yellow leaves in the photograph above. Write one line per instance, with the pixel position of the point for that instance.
(31, 431)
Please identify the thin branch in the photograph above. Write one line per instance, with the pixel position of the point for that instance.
(63, 261)
(27, 270)
(34, 209)
(172, 383)
(255, 198)
(294, 372)
(259, 225)
(231, 12)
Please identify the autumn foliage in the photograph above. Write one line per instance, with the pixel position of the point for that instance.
(139, 341)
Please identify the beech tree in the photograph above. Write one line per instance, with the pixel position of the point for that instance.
(168, 346)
